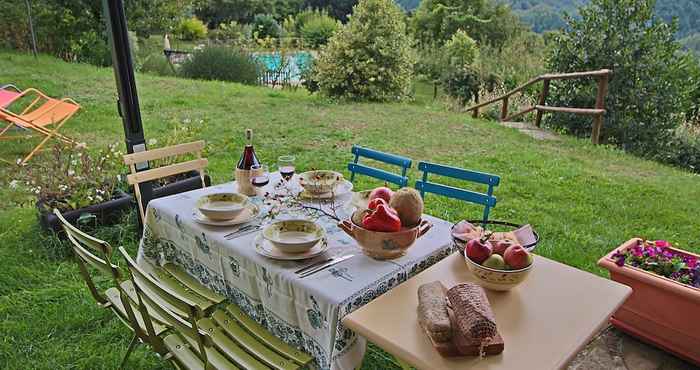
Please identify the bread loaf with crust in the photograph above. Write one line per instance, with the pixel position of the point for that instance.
(432, 312)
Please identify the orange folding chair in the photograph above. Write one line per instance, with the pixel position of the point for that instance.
(7, 95)
(44, 115)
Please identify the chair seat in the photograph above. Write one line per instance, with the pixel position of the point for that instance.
(183, 349)
(177, 280)
(112, 295)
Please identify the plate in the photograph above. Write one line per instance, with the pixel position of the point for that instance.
(293, 236)
(250, 212)
(344, 187)
(360, 199)
(265, 248)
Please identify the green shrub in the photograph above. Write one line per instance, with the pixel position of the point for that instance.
(370, 57)
(233, 32)
(461, 50)
(265, 26)
(648, 92)
(462, 83)
(191, 29)
(316, 27)
(221, 63)
(157, 64)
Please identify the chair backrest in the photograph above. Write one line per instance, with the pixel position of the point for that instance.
(7, 96)
(135, 178)
(487, 200)
(85, 246)
(152, 295)
(392, 159)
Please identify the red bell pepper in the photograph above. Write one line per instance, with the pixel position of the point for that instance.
(382, 218)
(375, 202)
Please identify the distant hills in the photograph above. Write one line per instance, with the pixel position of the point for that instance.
(544, 15)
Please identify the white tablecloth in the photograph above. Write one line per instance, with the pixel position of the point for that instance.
(306, 312)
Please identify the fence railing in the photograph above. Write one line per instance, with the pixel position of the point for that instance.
(597, 112)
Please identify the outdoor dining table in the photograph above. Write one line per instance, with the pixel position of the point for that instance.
(545, 321)
(304, 312)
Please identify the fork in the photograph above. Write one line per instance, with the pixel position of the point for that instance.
(243, 230)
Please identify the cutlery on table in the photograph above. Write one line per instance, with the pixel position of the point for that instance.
(313, 264)
(324, 266)
(245, 230)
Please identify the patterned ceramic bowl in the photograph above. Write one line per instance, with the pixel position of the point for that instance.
(222, 206)
(293, 236)
(497, 279)
(320, 182)
(382, 245)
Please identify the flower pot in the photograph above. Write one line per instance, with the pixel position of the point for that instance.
(106, 213)
(660, 311)
(190, 182)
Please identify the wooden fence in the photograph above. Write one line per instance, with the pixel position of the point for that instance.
(597, 112)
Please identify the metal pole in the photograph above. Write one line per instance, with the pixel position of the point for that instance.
(128, 103)
(31, 28)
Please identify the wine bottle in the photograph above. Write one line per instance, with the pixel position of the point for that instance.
(248, 158)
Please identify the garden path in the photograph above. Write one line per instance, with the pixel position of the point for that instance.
(531, 130)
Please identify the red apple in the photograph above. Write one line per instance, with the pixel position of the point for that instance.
(478, 250)
(517, 257)
(381, 192)
(499, 247)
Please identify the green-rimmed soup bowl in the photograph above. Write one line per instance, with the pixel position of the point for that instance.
(320, 181)
(222, 206)
(293, 236)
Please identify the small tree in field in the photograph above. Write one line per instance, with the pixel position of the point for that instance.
(370, 57)
(648, 91)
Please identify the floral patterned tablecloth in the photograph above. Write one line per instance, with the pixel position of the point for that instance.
(306, 312)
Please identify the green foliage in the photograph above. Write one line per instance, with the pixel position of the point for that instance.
(148, 17)
(265, 26)
(215, 12)
(318, 28)
(517, 61)
(692, 43)
(648, 93)
(232, 32)
(191, 29)
(338, 9)
(461, 49)
(157, 64)
(371, 57)
(462, 83)
(221, 63)
(484, 20)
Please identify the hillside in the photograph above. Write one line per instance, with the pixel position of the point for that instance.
(545, 15)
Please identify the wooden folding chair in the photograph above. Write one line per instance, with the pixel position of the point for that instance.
(135, 178)
(388, 158)
(487, 200)
(117, 298)
(226, 340)
(43, 112)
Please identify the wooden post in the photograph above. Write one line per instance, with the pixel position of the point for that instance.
(543, 99)
(599, 104)
(475, 112)
(504, 109)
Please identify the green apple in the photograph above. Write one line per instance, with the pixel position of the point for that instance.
(495, 262)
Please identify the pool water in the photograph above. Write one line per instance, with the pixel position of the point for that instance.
(295, 64)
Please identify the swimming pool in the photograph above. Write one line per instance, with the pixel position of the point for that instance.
(291, 70)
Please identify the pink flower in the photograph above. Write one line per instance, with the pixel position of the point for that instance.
(662, 243)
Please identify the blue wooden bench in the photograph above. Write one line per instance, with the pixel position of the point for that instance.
(356, 168)
(488, 200)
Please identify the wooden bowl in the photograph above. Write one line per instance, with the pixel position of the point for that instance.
(382, 245)
(494, 279)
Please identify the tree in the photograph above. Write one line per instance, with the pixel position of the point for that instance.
(215, 12)
(370, 57)
(338, 9)
(647, 94)
(483, 20)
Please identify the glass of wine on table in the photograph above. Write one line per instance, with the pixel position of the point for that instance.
(285, 163)
(260, 175)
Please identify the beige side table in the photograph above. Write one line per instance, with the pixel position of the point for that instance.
(544, 321)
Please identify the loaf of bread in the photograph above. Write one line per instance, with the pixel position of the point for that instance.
(472, 311)
(432, 312)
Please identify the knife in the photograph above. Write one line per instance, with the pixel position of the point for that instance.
(312, 265)
(325, 265)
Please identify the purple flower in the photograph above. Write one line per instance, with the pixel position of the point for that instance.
(667, 254)
(637, 251)
(620, 260)
(691, 262)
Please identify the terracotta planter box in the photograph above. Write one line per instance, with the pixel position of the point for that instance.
(107, 213)
(660, 311)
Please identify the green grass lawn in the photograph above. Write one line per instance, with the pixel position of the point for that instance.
(583, 200)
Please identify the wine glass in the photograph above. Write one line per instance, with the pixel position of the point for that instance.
(260, 175)
(285, 164)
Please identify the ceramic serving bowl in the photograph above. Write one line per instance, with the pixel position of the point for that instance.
(383, 245)
(497, 279)
(222, 206)
(293, 236)
(320, 181)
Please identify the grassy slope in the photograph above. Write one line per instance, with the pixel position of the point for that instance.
(583, 200)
